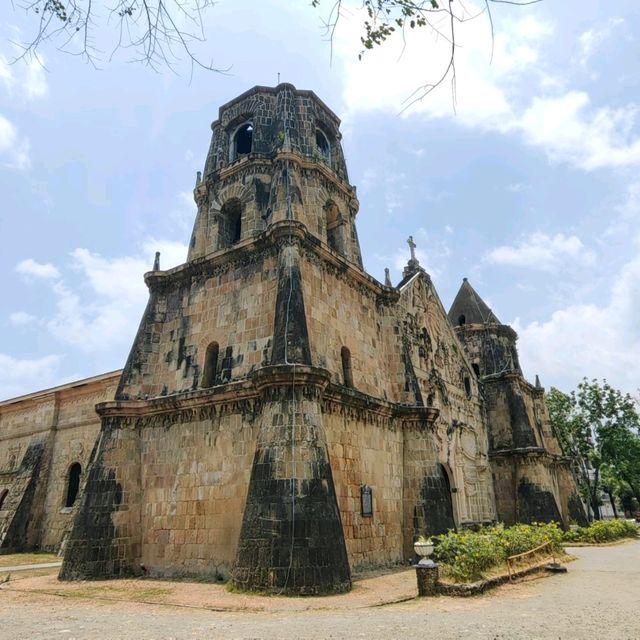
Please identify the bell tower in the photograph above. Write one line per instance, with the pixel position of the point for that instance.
(275, 155)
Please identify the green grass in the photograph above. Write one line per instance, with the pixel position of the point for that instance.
(14, 559)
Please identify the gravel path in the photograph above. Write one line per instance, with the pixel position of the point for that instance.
(598, 599)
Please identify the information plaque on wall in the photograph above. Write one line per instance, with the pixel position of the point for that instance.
(366, 501)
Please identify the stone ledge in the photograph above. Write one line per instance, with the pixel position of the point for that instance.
(476, 588)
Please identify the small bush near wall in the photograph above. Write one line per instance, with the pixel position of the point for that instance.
(603, 531)
(468, 555)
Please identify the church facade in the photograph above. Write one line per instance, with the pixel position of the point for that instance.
(283, 417)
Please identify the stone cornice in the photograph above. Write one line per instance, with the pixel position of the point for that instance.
(282, 155)
(77, 387)
(241, 390)
(529, 452)
(267, 383)
(254, 248)
(518, 377)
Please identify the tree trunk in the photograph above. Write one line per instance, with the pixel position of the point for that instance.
(613, 504)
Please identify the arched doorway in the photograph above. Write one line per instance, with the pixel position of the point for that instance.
(438, 503)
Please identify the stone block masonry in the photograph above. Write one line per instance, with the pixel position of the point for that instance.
(283, 417)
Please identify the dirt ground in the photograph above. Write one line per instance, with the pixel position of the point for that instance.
(598, 598)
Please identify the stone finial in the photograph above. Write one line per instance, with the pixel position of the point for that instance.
(412, 248)
(538, 385)
(156, 262)
(198, 178)
(387, 278)
(413, 265)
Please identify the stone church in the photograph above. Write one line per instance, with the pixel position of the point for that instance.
(283, 418)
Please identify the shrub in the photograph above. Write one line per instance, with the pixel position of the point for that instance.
(602, 531)
(469, 554)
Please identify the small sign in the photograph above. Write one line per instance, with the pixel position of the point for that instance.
(366, 501)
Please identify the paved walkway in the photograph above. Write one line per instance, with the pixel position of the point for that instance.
(599, 597)
(27, 567)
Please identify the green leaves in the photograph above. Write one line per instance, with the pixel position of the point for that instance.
(469, 554)
(598, 427)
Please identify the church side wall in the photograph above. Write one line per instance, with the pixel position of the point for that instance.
(65, 423)
(78, 426)
(343, 315)
(367, 452)
(195, 477)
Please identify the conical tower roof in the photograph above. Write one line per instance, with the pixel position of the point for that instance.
(470, 306)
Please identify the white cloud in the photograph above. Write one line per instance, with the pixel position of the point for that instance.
(626, 224)
(13, 148)
(542, 252)
(589, 139)
(107, 309)
(590, 40)
(512, 92)
(519, 187)
(23, 76)
(34, 81)
(184, 213)
(20, 376)
(484, 68)
(592, 340)
(21, 318)
(31, 267)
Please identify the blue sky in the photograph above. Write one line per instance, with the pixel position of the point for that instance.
(529, 187)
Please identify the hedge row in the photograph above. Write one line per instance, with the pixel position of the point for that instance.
(602, 531)
(469, 554)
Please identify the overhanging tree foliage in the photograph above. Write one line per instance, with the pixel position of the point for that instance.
(160, 33)
(440, 17)
(599, 429)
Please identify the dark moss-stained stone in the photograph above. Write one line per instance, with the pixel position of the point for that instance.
(438, 507)
(536, 504)
(291, 540)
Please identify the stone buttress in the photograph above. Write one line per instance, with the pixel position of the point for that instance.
(533, 481)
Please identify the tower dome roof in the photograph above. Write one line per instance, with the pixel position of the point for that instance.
(469, 308)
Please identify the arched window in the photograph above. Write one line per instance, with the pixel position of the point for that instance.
(467, 386)
(243, 140)
(322, 147)
(461, 320)
(347, 373)
(73, 484)
(230, 223)
(3, 495)
(210, 365)
(334, 226)
(476, 368)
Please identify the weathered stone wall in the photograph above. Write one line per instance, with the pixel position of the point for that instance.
(365, 449)
(194, 478)
(62, 425)
(342, 314)
(528, 489)
(292, 539)
(491, 347)
(105, 540)
(445, 380)
(231, 303)
(512, 414)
